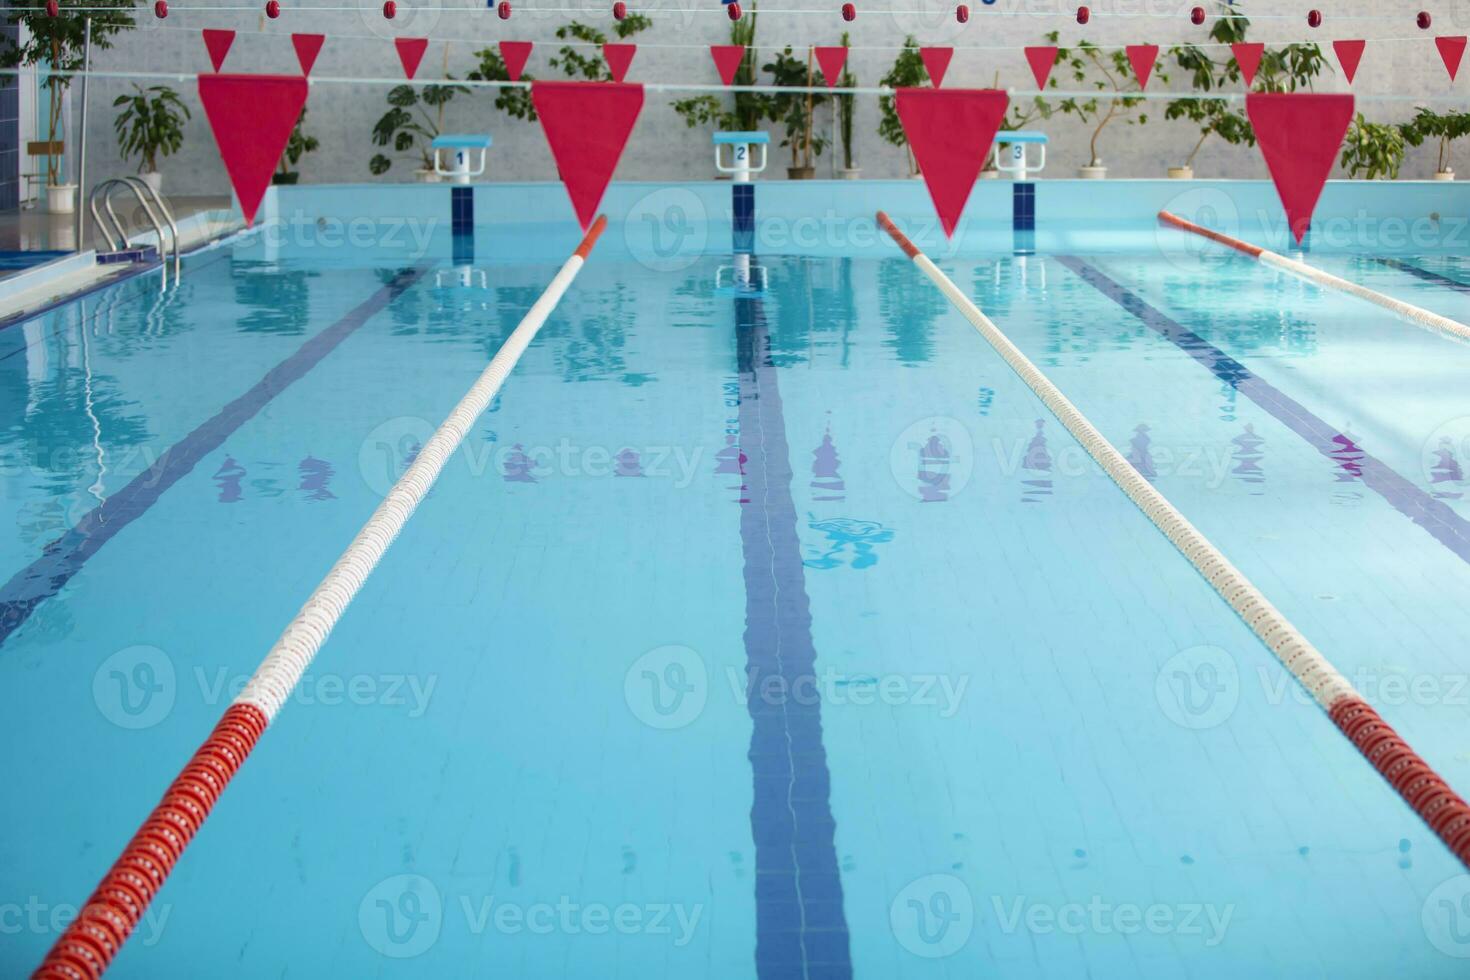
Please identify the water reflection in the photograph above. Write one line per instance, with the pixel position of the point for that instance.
(1247, 456)
(1038, 461)
(848, 542)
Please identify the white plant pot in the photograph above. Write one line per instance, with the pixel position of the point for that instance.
(1181, 173)
(1445, 175)
(153, 179)
(849, 173)
(426, 176)
(1092, 173)
(61, 198)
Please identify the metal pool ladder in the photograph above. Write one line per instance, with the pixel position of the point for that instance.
(116, 235)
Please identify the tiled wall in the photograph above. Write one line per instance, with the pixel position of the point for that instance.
(9, 136)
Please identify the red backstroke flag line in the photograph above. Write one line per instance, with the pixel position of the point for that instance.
(515, 54)
(1041, 61)
(831, 60)
(1349, 54)
(587, 125)
(950, 132)
(1299, 134)
(252, 117)
(308, 46)
(218, 43)
(1248, 57)
(936, 63)
(727, 58)
(410, 53)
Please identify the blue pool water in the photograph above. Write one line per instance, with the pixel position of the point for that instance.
(997, 727)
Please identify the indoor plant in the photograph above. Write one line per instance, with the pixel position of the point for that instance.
(412, 131)
(1108, 73)
(1445, 127)
(1373, 150)
(514, 102)
(297, 147)
(796, 111)
(846, 107)
(55, 46)
(908, 71)
(150, 125)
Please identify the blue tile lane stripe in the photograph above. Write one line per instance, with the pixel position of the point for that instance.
(1434, 516)
(1425, 274)
(801, 931)
(64, 557)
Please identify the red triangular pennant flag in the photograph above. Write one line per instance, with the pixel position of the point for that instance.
(515, 54)
(587, 125)
(218, 43)
(1300, 134)
(410, 53)
(308, 46)
(831, 60)
(1349, 53)
(1248, 57)
(1451, 50)
(619, 59)
(1041, 61)
(727, 60)
(1142, 58)
(950, 132)
(252, 117)
(936, 62)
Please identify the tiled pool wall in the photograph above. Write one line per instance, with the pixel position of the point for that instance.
(835, 217)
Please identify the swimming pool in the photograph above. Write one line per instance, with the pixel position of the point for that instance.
(766, 624)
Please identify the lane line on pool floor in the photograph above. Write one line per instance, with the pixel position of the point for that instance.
(93, 939)
(1419, 272)
(64, 557)
(801, 929)
(1417, 315)
(1435, 516)
(1446, 814)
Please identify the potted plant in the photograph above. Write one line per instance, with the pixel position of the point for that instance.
(298, 146)
(1106, 72)
(796, 110)
(1373, 151)
(150, 125)
(908, 71)
(748, 108)
(409, 128)
(56, 46)
(1445, 127)
(846, 108)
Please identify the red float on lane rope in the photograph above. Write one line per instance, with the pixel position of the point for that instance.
(390, 9)
(962, 14)
(160, 9)
(1083, 15)
(502, 10)
(849, 12)
(733, 10)
(273, 9)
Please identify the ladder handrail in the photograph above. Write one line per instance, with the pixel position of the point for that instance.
(104, 191)
(168, 217)
(121, 240)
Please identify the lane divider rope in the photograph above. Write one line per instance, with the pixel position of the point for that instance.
(1430, 796)
(1418, 316)
(87, 947)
